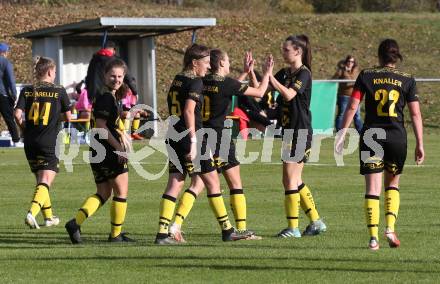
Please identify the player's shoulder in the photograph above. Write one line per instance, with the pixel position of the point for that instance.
(381, 70)
(188, 75)
(215, 78)
(303, 69)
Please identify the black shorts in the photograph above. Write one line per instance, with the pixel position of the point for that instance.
(177, 152)
(223, 158)
(296, 148)
(41, 158)
(109, 168)
(393, 159)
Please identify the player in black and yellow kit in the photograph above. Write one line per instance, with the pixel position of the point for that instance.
(42, 103)
(218, 90)
(383, 141)
(294, 83)
(110, 170)
(185, 102)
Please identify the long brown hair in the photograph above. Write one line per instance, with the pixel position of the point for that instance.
(121, 93)
(302, 41)
(115, 63)
(355, 64)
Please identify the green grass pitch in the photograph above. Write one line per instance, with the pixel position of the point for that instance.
(339, 255)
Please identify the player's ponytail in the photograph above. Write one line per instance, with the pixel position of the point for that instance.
(34, 69)
(302, 41)
(41, 66)
(216, 55)
(389, 52)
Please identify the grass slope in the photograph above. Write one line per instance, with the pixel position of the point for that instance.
(340, 255)
(332, 35)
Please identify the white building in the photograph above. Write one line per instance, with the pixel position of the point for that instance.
(72, 46)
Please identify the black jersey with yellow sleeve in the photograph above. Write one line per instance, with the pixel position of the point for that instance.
(296, 112)
(217, 98)
(42, 104)
(386, 91)
(107, 108)
(185, 86)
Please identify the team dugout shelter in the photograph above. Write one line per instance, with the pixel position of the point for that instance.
(72, 46)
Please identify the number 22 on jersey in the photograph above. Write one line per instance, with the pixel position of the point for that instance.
(35, 114)
(383, 96)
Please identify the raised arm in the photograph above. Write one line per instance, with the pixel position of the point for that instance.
(286, 93)
(247, 61)
(262, 87)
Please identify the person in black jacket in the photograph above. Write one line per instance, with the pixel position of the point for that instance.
(95, 73)
(8, 93)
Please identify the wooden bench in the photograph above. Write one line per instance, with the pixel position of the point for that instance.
(233, 117)
(80, 120)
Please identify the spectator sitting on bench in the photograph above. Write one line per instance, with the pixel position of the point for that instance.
(130, 100)
(82, 106)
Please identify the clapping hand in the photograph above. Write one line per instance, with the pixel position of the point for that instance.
(268, 65)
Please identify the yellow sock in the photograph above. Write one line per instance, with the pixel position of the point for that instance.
(218, 207)
(185, 205)
(126, 124)
(40, 196)
(238, 205)
(121, 124)
(291, 207)
(307, 202)
(392, 203)
(87, 125)
(46, 210)
(166, 211)
(135, 124)
(90, 206)
(117, 215)
(372, 214)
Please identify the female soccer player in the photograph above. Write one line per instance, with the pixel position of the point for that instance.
(386, 91)
(111, 174)
(217, 93)
(42, 103)
(185, 101)
(294, 83)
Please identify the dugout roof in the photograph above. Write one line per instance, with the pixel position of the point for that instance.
(121, 28)
(72, 46)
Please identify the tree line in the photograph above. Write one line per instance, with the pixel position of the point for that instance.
(319, 6)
